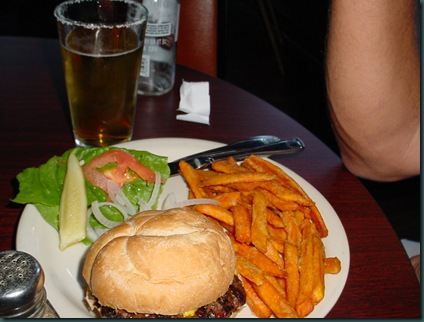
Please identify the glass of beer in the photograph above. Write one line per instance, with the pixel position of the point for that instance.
(102, 44)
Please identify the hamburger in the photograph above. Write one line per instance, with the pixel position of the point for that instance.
(163, 264)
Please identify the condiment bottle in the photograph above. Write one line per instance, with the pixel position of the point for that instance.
(22, 292)
(157, 74)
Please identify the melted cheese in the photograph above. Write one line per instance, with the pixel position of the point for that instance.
(189, 313)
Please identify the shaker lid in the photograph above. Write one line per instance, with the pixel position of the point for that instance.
(21, 283)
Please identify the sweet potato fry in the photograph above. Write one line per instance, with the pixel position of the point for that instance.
(242, 223)
(291, 262)
(276, 231)
(228, 178)
(245, 186)
(332, 265)
(249, 270)
(273, 219)
(306, 276)
(192, 180)
(216, 212)
(305, 301)
(284, 193)
(259, 221)
(279, 204)
(275, 282)
(262, 165)
(273, 254)
(278, 246)
(258, 307)
(275, 300)
(319, 221)
(277, 234)
(257, 258)
(228, 199)
(228, 166)
(294, 233)
(217, 190)
(204, 174)
(318, 267)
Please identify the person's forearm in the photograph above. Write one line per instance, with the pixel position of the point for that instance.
(373, 84)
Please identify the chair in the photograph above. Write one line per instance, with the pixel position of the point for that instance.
(197, 35)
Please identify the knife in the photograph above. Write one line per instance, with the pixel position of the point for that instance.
(259, 145)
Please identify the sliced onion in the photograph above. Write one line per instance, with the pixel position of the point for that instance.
(112, 189)
(100, 231)
(95, 206)
(91, 234)
(144, 206)
(155, 192)
(169, 201)
(199, 201)
(122, 199)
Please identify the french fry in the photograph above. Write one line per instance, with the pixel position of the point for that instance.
(276, 231)
(242, 223)
(273, 254)
(299, 215)
(202, 175)
(217, 190)
(259, 222)
(258, 307)
(277, 234)
(275, 301)
(192, 179)
(262, 165)
(278, 286)
(228, 178)
(318, 263)
(228, 199)
(304, 303)
(216, 212)
(278, 246)
(249, 270)
(273, 219)
(285, 194)
(332, 265)
(291, 262)
(254, 256)
(280, 204)
(228, 166)
(245, 186)
(311, 273)
(294, 233)
(319, 221)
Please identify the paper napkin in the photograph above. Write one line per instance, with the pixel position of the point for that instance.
(195, 102)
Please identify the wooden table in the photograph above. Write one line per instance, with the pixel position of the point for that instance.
(34, 125)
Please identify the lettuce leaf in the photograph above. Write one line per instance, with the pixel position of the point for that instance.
(42, 186)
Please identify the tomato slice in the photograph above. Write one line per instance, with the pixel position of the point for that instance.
(118, 174)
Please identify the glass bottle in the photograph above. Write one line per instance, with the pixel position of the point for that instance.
(157, 74)
(22, 292)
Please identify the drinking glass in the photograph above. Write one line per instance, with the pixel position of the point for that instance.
(102, 44)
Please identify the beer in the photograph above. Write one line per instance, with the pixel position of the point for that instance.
(101, 73)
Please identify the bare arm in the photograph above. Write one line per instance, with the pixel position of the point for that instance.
(373, 83)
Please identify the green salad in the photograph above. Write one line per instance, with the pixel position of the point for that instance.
(118, 182)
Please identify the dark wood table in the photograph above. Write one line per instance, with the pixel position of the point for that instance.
(34, 126)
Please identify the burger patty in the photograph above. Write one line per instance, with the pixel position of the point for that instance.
(223, 307)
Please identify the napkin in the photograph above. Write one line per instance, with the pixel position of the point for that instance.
(195, 102)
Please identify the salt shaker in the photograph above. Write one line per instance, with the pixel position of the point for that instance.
(22, 292)
(157, 74)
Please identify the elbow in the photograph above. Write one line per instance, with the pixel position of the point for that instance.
(373, 169)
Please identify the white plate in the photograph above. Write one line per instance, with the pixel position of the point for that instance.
(64, 284)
